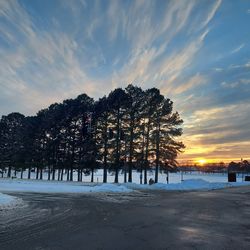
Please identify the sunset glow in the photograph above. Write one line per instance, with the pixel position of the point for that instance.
(202, 161)
(124, 124)
(198, 56)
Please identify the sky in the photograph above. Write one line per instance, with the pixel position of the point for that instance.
(196, 52)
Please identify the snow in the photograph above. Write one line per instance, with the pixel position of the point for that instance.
(7, 201)
(37, 186)
(192, 181)
(191, 184)
(173, 177)
(15, 185)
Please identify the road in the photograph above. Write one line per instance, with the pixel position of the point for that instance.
(218, 219)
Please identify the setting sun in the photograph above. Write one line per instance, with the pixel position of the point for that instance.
(202, 161)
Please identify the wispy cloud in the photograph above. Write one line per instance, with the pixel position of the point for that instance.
(211, 13)
(194, 81)
(218, 69)
(45, 68)
(51, 53)
(236, 83)
(211, 132)
(237, 49)
(69, 63)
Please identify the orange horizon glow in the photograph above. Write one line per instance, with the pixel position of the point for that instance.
(198, 153)
(204, 161)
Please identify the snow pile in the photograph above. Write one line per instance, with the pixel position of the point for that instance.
(192, 184)
(39, 186)
(110, 188)
(58, 187)
(7, 201)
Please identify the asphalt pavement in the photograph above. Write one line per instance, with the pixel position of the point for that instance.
(217, 219)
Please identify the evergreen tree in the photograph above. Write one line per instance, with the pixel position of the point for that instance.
(166, 128)
(151, 103)
(133, 115)
(103, 133)
(117, 102)
(12, 140)
(129, 129)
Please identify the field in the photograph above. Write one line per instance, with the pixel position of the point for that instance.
(173, 177)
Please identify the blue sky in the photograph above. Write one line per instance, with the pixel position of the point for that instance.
(196, 52)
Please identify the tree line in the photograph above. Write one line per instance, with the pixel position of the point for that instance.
(241, 167)
(129, 129)
(217, 167)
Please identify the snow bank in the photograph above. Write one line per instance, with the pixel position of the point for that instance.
(58, 187)
(191, 184)
(39, 186)
(7, 201)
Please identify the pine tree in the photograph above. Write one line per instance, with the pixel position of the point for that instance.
(103, 133)
(166, 128)
(117, 102)
(133, 115)
(12, 139)
(151, 103)
(129, 129)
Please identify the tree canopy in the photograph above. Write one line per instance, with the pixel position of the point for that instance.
(129, 129)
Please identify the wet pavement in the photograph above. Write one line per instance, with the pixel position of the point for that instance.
(217, 219)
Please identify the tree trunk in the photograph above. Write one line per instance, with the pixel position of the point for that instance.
(117, 148)
(146, 164)
(157, 153)
(125, 174)
(29, 172)
(22, 173)
(41, 173)
(67, 174)
(58, 174)
(61, 175)
(105, 175)
(37, 173)
(49, 172)
(145, 172)
(130, 172)
(156, 171)
(78, 174)
(141, 175)
(72, 158)
(105, 163)
(116, 175)
(53, 172)
(131, 149)
(71, 174)
(105, 151)
(81, 174)
(9, 172)
(92, 175)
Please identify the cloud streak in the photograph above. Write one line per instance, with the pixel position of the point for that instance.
(238, 48)
(59, 49)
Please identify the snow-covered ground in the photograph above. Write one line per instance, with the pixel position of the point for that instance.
(15, 185)
(173, 177)
(177, 181)
(44, 186)
(39, 186)
(7, 201)
(190, 184)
